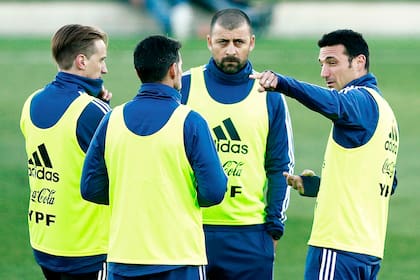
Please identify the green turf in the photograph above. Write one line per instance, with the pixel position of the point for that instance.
(26, 65)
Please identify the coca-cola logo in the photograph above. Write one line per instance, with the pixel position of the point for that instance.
(43, 196)
(233, 168)
(388, 168)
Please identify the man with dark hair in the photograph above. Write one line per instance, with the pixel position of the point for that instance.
(69, 235)
(253, 136)
(358, 173)
(154, 162)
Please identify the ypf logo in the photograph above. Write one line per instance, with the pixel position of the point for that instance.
(392, 143)
(225, 144)
(39, 165)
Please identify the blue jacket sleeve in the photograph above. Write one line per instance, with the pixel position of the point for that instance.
(279, 159)
(350, 110)
(353, 112)
(89, 121)
(94, 185)
(210, 177)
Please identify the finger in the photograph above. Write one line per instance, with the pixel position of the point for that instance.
(270, 79)
(105, 95)
(261, 76)
(300, 189)
(288, 178)
(255, 76)
(261, 89)
(291, 183)
(108, 96)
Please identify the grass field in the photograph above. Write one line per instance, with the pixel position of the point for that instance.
(26, 65)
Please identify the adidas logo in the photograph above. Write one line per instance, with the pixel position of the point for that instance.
(37, 164)
(392, 143)
(225, 144)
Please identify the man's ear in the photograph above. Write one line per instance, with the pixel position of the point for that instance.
(209, 43)
(361, 61)
(80, 61)
(252, 43)
(172, 70)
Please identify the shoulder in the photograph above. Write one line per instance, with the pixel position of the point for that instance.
(195, 117)
(97, 107)
(195, 122)
(360, 95)
(276, 100)
(94, 111)
(100, 105)
(275, 96)
(186, 76)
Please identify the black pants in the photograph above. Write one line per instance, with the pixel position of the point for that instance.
(53, 275)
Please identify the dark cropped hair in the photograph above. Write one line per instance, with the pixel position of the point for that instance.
(230, 19)
(352, 41)
(74, 39)
(153, 56)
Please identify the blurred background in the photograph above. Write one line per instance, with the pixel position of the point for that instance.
(190, 18)
(287, 32)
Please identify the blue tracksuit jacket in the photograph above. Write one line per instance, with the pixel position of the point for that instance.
(279, 157)
(144, 115)
(47, 107)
